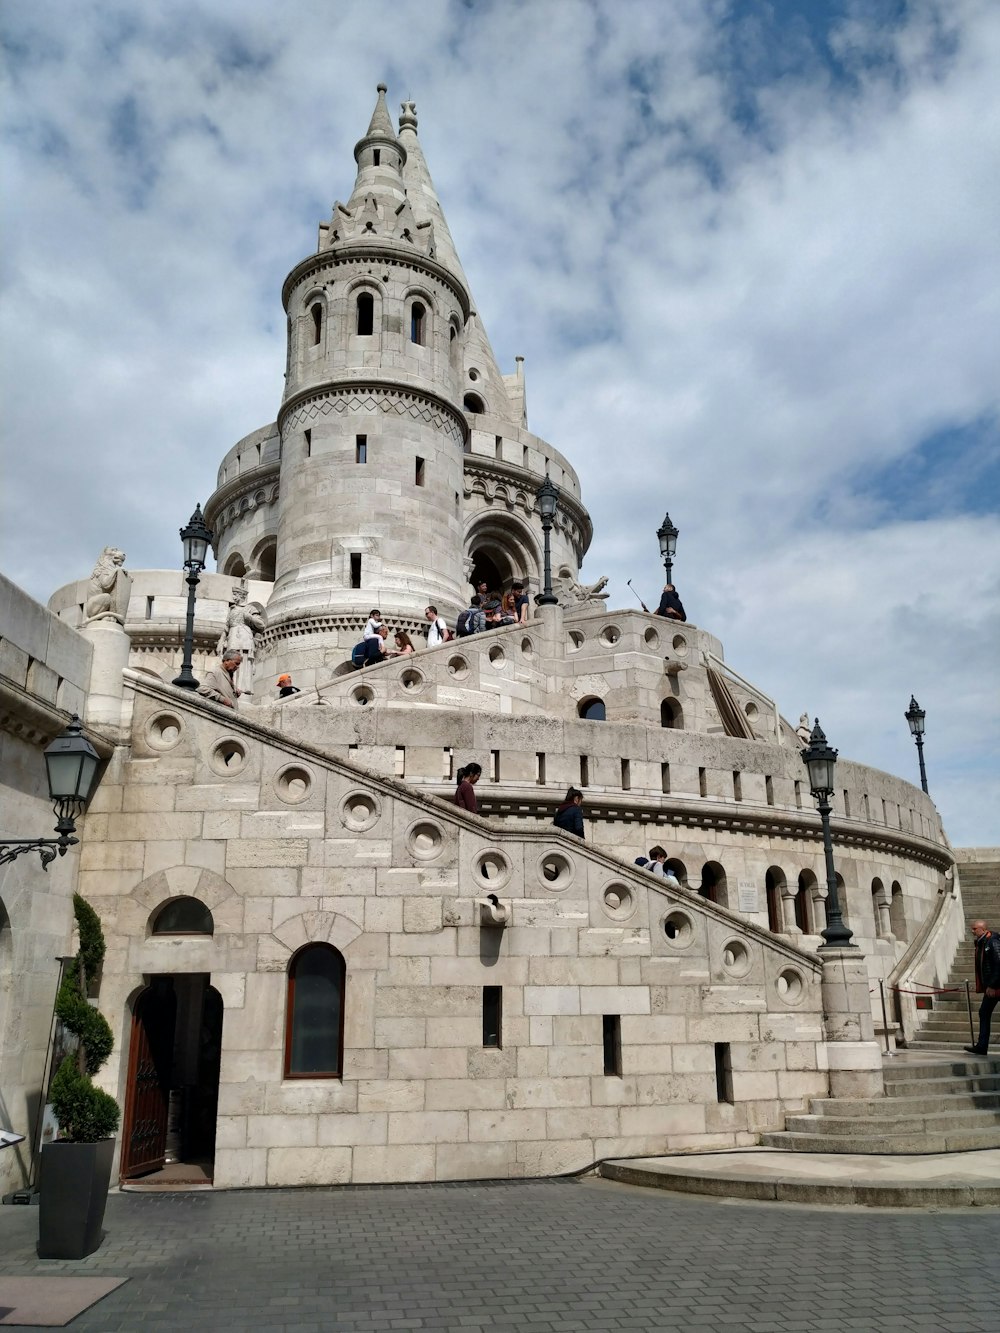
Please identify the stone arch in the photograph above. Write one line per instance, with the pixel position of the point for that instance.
(592, 709)
(506, 543)
(310, 928)
(678, 869)
(263, 559)
(714, 884)
(775, 885)
(880, 908)
(151, 894)
(897, 911)
(235, 566)
(806, 903)
(474, 404)
(671, 714)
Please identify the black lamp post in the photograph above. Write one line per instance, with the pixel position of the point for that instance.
(196, 538)
(71, 763)
(915, 717)
(820, 760)
(667, 535)
(548, 502)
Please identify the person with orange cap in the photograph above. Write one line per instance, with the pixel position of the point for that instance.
(285, 687)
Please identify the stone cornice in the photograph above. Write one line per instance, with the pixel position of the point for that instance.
(35, 720)
(446, 812)
(398, 255)
(321, 620)
(389, 388)
(264, 477)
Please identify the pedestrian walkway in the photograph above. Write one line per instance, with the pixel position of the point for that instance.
(546, 1256)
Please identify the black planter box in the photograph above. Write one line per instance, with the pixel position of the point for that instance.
(72, 1196)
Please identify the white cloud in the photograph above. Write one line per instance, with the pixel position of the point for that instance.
(752, 318)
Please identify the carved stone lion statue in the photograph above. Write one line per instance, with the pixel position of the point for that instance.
(109, 588)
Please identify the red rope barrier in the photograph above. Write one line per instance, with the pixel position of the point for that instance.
(931, 990)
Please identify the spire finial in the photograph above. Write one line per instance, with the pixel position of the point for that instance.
(381, 122)
(408, 120)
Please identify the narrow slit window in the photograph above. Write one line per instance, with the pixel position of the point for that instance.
(355, 571)
(494, 765)
(798, 795)
(847, 804)
(376, 157)
(493, 1016)
(418, 472)
(612, 1045)
(498, 446)
(308, 435)
(768, 789)
(149, 608)
(737, 785)
(524, 455)
(361, 448)
(723, 1072)
(584, 771)
(366, 314)
(399, 767)
(418, 320)
(448, 772)
(540, 768)
(702, 782)
(626, 775)
(665, 779)
(316, 311)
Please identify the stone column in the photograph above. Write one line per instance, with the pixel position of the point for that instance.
(788, 922)
(854, 1056)
(106, 693)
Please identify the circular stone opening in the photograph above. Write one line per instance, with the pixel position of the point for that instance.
(619, 903)
(473, 374)
(555, 870)
(359, 810)
(790, 986)
(678, 929)
(425, 840)
(497, 656)
(229, 757)
(411, 679)
(652, 638)
(680, 645)
(610, 635)
(293, 784)
(458, 667)
(164, 731)
(736, 958)
(492, 868)
(576, 640)
(362, 695)
(752, 712)
(527, 647)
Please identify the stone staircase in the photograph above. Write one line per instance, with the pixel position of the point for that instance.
(948, 1022)
(937, 1098)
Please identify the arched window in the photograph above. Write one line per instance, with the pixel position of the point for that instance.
(897, 911)
(880, 907)
(316, 311)
(314, 1021)
(805, 903)
(266, 560)
(774, 882)
(671, 714)
(366, 314)
(842, 897)
(592, 710)
(713, 883)
(474, 404)
(418, 322)
(183, 916)
(678, 869)
(235, 566)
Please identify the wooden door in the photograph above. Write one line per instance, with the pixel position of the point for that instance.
(144, 1137)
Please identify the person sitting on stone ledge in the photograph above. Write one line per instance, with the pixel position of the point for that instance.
(489, 601)
(657, 861)
(671, 605)
(376, 647)
(285, 687)
(373, 624)
(218, 685)
(404, 645)
(569, 816)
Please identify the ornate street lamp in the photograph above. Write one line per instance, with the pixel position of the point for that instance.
(915, 717)
(548, 503)
(71, 763)
(820, 760)
(667, 536)
(197, 539)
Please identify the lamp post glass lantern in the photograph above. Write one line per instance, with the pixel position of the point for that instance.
(71, 764)
(548, 503)
(196, 539)
(667, 535)
(820, 759)
(915, 716)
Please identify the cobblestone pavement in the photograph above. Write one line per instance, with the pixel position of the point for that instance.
(530, 1256)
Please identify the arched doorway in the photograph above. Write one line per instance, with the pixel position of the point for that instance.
(172, 1088)
(774, 884)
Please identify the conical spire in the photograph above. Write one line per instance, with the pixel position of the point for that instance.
(381, 121)
(422, 195)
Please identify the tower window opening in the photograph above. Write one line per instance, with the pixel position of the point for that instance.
(419, 472)
(626, 775)
(769, 789)
(612, 1025)
(494, 765)
(361, 448)
(449, 764)
(376, 157)
(737, 785)
(540, 768)
(309, 442)
(847, 803)
(723, 1072)
(584, 771)
(355, 570)
(317, 318)
(399, 767)
(665, 778)
(418, 317)
(149, 608)
(798, 795)
(366, 314)
(474, 404)
(493, 1016)
(702, 782)
(524, 455)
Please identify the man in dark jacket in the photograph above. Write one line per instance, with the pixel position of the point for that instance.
(671, 605)
(569, 816)
(987, 982)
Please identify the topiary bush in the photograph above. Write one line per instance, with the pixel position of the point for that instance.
(85, 1113)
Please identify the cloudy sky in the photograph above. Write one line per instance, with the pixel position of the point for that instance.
(748, 250)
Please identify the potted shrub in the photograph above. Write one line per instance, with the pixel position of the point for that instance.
(76, 1167)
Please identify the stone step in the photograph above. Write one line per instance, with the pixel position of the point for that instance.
(958, 1140)
(884, 1108)
(904, 1122)
(902, 1089)
(962, 1066)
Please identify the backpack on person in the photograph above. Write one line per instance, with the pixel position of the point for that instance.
(359, 653)
(465, 624)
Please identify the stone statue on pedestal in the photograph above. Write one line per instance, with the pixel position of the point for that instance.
(244, 621)
(109, 588)
(804, 730)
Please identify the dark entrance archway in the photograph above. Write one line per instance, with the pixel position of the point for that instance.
(172, 1092)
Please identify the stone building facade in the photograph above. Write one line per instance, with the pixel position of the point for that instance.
(334, 973)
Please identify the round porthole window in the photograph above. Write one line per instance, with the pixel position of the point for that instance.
(229, 757)
(163, 731)
(359, 811)
(425, 840)
(293, 784)
(790, 986)
(678, 929)
(618, 902)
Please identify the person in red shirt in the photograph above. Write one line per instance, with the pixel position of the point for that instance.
(465, 792)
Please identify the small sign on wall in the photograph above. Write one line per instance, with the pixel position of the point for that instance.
(746, 892)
